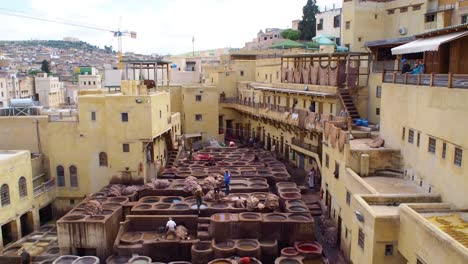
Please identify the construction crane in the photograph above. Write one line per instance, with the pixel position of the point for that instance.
(117, 33)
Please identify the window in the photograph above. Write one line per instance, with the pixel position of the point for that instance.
(277, 75)
(126, 147)
(338, 41)
(378, 91)
(124, 117)
(377, 111)
(103, 159)
(348, 25)
(458, 156)
(418, 139)
(89, 82)
(5, 195)
(266, 76)
(444, 150)
(403, 9)
(336, 21)
(160, 114)
(411, 136)
(337, 170)
(361, 238)
(94, 82)
(93, 116)
(23, 188)
(416, 7)
(432, 145)
(430, 18)
(73, 176)
(464, 18)
(346, 232)
(391, 11)
(348, 198)
(198, 117)
(241, 73)
(403, 134)
(388, 250)
(198, 98)
(320, 24)
(327, 161)
(60, 176)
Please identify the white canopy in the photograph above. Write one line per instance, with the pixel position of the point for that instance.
(427, 44)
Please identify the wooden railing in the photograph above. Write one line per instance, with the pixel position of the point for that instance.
(45, 186)
(440, 80)
(296, 142)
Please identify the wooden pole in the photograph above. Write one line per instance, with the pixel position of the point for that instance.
(450, 80)
(431, 83)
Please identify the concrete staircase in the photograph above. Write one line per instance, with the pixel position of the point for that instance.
(348, 104)
(202, 230)
(171, 160)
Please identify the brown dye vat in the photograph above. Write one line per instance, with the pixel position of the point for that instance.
(87, 260)
(257, 180)
(47, 261)
(190, 199)
(248, 173)
(150, 236)
(250, 216)
(13, 251)
(149, 200)
(53, 251)
(259, 186)
(179, 262)
(280, 175)
(182, 169)
(77, 211)
(223, 249)
(74, 217)
(222, 261)
(289, 190)
(219, 205)
(107, 212)
(286, 185)
(201, 252)
(289, 252)
(224, 163)
(143, 207)
(96, 217)
(238, 185)
(180, 206)
(285, 260)
(118, 199)
(131, 237)
(140, 260)
(100, 199)
(183, 174)
(300, 217)
(162, 206)
(295, 203)
(248, 248)
(111, 206)
(99, 194)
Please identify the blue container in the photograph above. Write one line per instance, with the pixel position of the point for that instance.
(365, 122)
(358, 122)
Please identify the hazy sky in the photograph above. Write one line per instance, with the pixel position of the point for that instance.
(163, 26)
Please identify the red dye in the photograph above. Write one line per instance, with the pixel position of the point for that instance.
(309, 248)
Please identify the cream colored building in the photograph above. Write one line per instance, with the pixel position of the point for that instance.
(49, 90)
(25, 195)
(328, 22)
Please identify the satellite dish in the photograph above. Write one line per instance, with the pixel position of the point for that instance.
(403, 31)
(359, 216)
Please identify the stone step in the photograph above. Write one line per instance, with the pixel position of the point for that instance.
(316, 212)
(203, 235)
(203, 227)
(204, 220)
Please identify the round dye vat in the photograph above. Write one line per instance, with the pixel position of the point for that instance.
(225, 244)
(140, 260)
(150, 200)
(247, 244)
(107, 212)
(313, 248)
(118, 259)
(296, 203)
(289, 252)
(53, 251)
(222, 217)
(289, 190)
(297, 209)
(202, 206)
(259, 186)
(299, 217)
(181, 206)
(275, 217)
(162, 206)
(111, 206)
(100, 199)
(238, 185)
(87, 260)
(74, 217)
(172, 200)
(289, 261)
(290, 196)
(221, 261)
(143, 207)
(65, 259)
(190, 199)
(132, 236)
(219, 205)
(249, 216)
(118, 199)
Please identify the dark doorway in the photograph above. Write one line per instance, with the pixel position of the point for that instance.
(338, 232)
(281, 144)
(8, 235)
(45, 214)
(220, 125)
(328, 203)
(268, 142)
(27, 224)
(86, 252)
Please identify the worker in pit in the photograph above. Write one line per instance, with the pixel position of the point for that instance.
(227, 180)
(198, 198)
(170, 227)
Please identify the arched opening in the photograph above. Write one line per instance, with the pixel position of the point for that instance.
(23, 188)
(5, 195)
(60, 176)
(73, 176)
(103, 159)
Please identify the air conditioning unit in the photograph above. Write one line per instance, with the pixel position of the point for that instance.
(403, 31)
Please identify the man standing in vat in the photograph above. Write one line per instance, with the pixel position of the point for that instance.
(227, 180)
(199, 198)
(170, 228)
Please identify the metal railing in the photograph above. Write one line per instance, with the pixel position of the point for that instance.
(70, 116)
(296, 142)
(45, 186)
(434, 80)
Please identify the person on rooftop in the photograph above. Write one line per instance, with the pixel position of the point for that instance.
(406, 67)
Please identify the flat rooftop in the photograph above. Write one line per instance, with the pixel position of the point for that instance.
(393, 185)
(385, 210)
(6, 154)
(454, 224)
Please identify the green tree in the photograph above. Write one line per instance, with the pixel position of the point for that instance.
(307, 24)
(45, 66)
(291, 34)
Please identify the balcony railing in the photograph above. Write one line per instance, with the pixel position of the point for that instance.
(45, 186)
(439, 80)
(296, 142)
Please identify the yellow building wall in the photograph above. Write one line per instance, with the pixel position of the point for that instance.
(435, 112)
(268, 70)
(375, 79)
